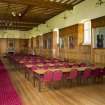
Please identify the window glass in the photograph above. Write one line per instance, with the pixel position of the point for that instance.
(87, 33)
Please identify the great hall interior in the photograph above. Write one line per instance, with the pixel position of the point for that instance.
(52, 52)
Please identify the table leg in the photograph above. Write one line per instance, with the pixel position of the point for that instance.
(34, 79)
(39, 82)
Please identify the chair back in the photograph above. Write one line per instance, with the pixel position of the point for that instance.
(66, 65)
(75, 65)
(86, 73)
(48, 76)
(45, 67)
(94, 65)
(33, 68)
(103, 71)
(83, 65)
(96, 72)
(57, 75)
(73, 74)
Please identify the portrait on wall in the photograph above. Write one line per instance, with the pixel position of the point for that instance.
(99, 37)
(44, 44)
(49, 43)
(10, 43)
(71, 42)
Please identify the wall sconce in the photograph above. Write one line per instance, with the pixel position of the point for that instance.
(100, 2)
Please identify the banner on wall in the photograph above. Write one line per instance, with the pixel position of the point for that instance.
(99, 37)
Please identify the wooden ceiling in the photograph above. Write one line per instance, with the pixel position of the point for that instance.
(25, 14)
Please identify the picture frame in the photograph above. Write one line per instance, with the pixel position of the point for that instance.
(11, 43)
(10, 46)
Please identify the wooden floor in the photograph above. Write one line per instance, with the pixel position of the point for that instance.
(79, 95)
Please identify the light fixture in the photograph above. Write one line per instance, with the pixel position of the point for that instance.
(40, 34)
(14, 14)
(9, 24)
(100, 2)
(66, 14)
(49, 27)
(20, 14)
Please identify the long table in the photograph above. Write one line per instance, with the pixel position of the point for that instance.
(64, 70)
(40, 72)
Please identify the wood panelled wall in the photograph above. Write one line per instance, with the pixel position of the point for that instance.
(85, 53)
(47, 51)
(46, 37)
(37, 47)
(21, 45)
(98, 55)
(40, 45)
(3, 46)
(78, 52)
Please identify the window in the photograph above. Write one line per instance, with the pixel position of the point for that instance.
(44, 44)
(87, 33)
(61, 42)
(48, 43)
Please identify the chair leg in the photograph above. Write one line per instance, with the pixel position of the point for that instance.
(70, 82)
(25, 75)
(39, 85)
(79, 81)
(94, 79)
(28, 77)
(34, 82)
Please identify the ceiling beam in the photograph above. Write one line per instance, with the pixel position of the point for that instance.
(64, 1)
(75, 2)
(29, 7)
(22, 26)
(19, 22)
(15, 27)
(22, 20)
(78, 2)
(14, 23)
(39, 3)
(52, 15)
(61, 1)
(67, 1)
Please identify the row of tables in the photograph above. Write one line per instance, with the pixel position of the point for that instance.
(41, 71)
